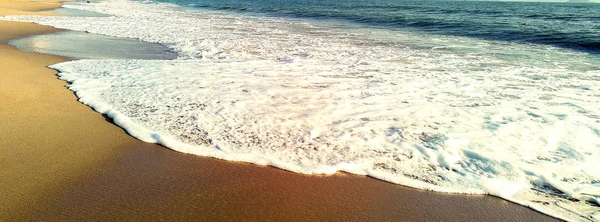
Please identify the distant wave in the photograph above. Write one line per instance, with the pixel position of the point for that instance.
(573, 26)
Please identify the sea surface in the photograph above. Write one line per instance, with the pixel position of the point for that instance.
(498, 98)
(569, 25)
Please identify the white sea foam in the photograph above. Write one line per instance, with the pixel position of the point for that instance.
(450, 114)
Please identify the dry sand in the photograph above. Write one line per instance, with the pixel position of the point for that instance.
(59, 160)
(22, 7)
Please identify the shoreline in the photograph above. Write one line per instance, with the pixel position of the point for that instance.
(45, 146)
(65, 161)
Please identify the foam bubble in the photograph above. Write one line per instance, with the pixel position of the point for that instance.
(306, 118)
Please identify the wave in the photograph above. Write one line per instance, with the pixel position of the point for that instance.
(480, 19)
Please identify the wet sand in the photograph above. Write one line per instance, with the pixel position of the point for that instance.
(62, 161)
(48, 140)
(149, 182)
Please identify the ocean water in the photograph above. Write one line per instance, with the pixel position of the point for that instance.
(447, 96)
(570, 25)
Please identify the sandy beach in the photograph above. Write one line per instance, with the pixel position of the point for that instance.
(41, 122)
(63, 161)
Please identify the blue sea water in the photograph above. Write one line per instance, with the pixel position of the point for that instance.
(570, 25)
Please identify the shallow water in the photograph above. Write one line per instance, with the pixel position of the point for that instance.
(82, 45)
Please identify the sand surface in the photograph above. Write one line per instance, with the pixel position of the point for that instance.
(60, 160)
(47, 138)
(26, 7)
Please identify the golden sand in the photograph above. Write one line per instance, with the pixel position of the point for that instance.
(60, 160)
(47, 138)
(25, 7)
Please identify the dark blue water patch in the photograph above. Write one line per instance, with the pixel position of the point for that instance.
(533, 115)
(492, 126)
(565, 151)
(567, 25)
(489, 124)
(572, 105)
(596, 131)
(560, 116)
(537, 116)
